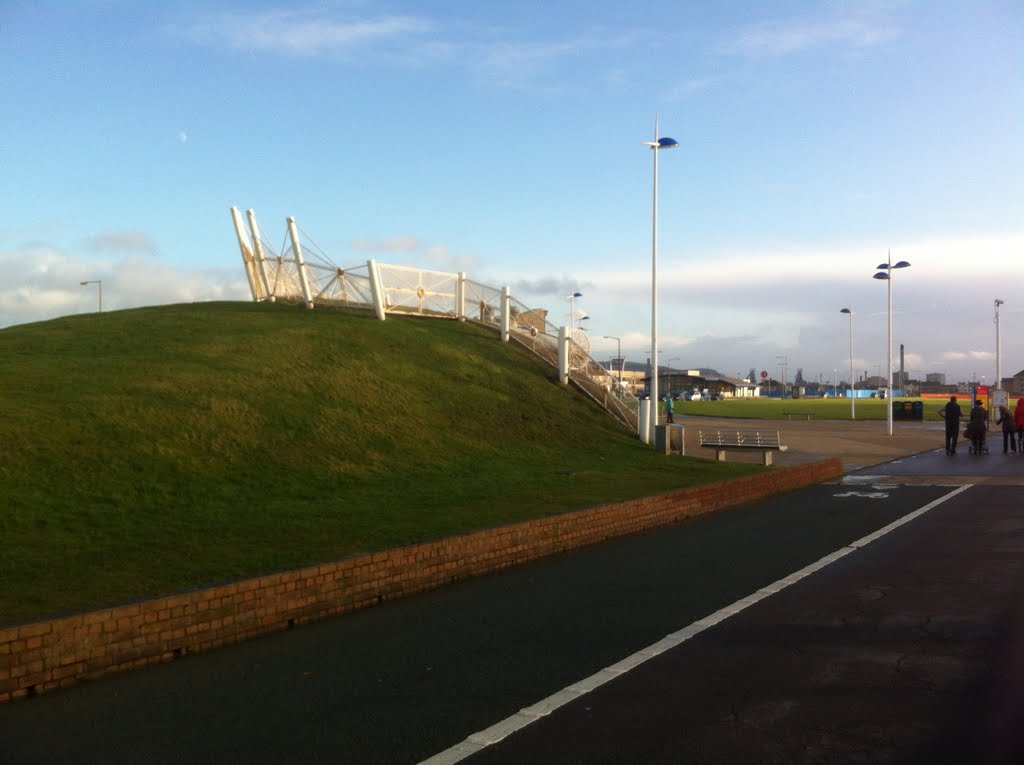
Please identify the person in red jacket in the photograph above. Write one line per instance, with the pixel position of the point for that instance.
(1018, 417)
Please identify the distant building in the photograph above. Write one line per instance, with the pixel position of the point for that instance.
(1018, 383)
(936, 378)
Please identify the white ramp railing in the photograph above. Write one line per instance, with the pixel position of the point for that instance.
(303, 273)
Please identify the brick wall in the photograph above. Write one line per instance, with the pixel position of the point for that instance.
(40, 656)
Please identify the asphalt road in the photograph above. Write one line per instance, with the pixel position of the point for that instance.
(905, 648)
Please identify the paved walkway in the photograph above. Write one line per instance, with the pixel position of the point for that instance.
(860, 444)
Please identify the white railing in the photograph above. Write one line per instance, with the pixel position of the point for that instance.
(303, 273)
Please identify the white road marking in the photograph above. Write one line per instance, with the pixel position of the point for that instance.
(492, 735)
(865, 494)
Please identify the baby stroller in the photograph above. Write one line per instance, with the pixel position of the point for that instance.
(975, 433)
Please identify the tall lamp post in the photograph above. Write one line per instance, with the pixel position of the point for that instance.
(572, 308)
(98, 282)
(853, 385)
(885, 272)
(618, 342)
(999, 370)
(656, 146)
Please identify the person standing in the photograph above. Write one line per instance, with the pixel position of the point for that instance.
(668, 408)
(1005, 418)
(1018, 417)
(977, 426)
(952, 414)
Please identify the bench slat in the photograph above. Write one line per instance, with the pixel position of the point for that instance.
(721, 440)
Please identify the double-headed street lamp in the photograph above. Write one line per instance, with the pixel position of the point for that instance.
(656, 146)
(999, 369)
(97, 282)
(853, 388)
(572, 308)
(885, 273)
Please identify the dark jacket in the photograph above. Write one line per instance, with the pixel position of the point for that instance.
(1006, 420)
(952, 413)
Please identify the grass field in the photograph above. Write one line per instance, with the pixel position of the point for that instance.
(146, 451)
(822, 408)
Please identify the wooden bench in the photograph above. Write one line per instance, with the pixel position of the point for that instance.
(805, 415)
(723, 440)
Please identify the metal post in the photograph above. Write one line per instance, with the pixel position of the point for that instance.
(653, 389)
(248, 260)
(261, 258)
(506, 301)
(888, 351)
(999, 370)
(563, 355)
(853, 381)
(300, 264)
(376, 289)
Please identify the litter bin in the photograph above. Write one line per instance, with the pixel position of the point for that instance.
(907, 410)
(670, 439)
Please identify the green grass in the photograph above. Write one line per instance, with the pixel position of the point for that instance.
(146, 451)
(822, 408)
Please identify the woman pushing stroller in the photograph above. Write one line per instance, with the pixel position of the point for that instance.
(976, 427)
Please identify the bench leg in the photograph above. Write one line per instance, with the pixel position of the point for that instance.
(767, 457)
(720, 455)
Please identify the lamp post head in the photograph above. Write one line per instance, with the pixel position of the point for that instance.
(887, 267)
(881, 275)
(577, 294)
(662, 143)
(846, 310)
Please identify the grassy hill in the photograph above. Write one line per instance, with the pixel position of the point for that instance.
(149, 450)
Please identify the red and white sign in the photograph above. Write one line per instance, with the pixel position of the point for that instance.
(763, 374)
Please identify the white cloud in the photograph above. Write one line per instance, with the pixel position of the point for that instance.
(393, 244)
(726, 310)
(43, 282)
(301, 33)
(783, 38)
(442, 257)
(742, 308)
(688, 88)
(437, 256)
(120, 242)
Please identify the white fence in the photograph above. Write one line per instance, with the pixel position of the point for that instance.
(301, 272)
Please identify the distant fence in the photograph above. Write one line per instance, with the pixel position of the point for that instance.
(299, 271)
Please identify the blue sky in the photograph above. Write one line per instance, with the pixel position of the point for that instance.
(504, 139)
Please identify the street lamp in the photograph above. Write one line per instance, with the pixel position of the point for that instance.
(853, 386)
(98, 282)
(572, 313)
(999, 370)
(656, 146)
(886, 273)
(618, 342)
(669, 365)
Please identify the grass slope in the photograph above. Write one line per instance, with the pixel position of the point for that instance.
(149, 450)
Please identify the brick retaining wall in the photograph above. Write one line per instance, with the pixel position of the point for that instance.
(40, 656)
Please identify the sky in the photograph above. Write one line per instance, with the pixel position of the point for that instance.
(506, 139)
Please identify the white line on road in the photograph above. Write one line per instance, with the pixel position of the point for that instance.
(482, 739)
